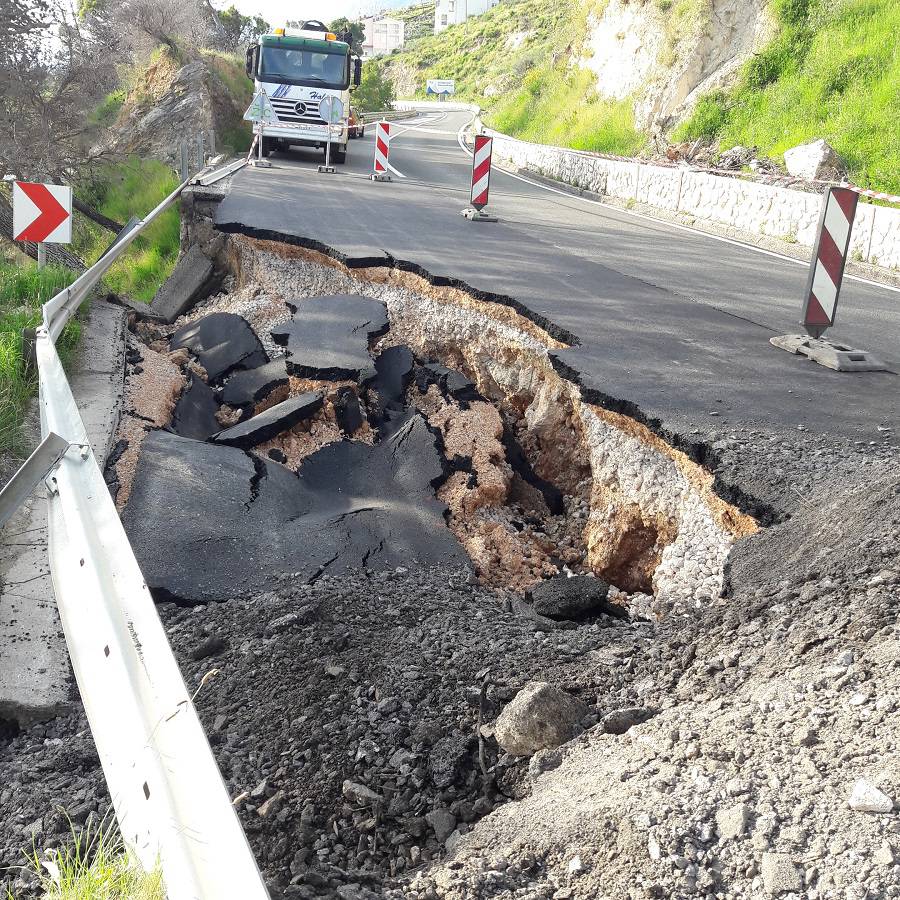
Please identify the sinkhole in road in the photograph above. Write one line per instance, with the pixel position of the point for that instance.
(384, 395)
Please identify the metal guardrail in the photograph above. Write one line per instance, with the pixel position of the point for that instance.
(391, 115)
(171, 804)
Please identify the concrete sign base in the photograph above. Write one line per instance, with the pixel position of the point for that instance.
(476, 215)
(830, 354)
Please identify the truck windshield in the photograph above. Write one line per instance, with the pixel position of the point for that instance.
(297, 66)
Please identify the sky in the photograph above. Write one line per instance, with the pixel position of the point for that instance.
(277, 12)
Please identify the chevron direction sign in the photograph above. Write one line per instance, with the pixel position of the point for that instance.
(42, 212)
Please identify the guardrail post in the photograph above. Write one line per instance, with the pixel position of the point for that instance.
(185, 162)
(18, 489)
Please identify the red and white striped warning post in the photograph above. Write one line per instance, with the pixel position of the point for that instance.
(823, 287)
(828, 260)
(481, 170)
(382, 151)
(481, 179)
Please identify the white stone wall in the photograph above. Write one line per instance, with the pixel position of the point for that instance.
(758, 208)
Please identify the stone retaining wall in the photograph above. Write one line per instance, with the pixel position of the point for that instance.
(758, 208)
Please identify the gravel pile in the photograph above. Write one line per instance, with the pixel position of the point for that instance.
(345, 717)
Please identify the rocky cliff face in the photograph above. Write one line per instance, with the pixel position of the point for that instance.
(664, 55)
(173, 102)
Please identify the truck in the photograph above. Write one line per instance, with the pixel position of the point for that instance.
(297, 69)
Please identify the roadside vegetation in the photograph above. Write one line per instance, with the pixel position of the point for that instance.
(832, 72)
(376, 91)
(121, 190)
(23, 289)
(93, 865)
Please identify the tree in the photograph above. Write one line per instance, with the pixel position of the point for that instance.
(356, 29)
(240, 30)
(376, 92)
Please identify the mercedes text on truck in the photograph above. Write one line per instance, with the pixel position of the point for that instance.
(297, 69)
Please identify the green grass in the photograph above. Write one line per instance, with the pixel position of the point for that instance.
(122, 190)
(23, 289)
(108, 110)
(564, 109)
(93, 865)
(833, 72)
(530, 87)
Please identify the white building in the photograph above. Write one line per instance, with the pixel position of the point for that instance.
(382, 35)
(454, 12)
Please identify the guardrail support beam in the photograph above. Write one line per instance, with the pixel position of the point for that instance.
(33, 471)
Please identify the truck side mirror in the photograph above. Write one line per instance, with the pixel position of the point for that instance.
(357, 71)
(250, 64)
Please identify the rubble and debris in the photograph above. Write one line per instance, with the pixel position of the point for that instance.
(671, 740)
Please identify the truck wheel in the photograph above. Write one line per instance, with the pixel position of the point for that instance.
(340, 155)
(268, 145)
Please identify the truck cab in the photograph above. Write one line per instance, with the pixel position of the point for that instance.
(297, 69)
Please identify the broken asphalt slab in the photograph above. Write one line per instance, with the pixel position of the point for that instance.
(249, 386)
(209, 522)
(328, 337)
(191, 280)
(194, 415)
(393, 373)
(451, 384)
(221, 342)
(271, 422)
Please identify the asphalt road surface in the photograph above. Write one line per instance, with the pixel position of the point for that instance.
(672, 325)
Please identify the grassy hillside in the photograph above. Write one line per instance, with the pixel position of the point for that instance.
(418, 19)
(832, 72)
(516, 61)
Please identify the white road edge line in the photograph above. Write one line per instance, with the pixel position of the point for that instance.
(675, 225)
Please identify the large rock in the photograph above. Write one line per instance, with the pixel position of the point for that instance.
(818, 160)
(573, 598)
(539, 717)
(192, 280)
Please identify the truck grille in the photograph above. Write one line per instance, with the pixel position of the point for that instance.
(296, 111)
